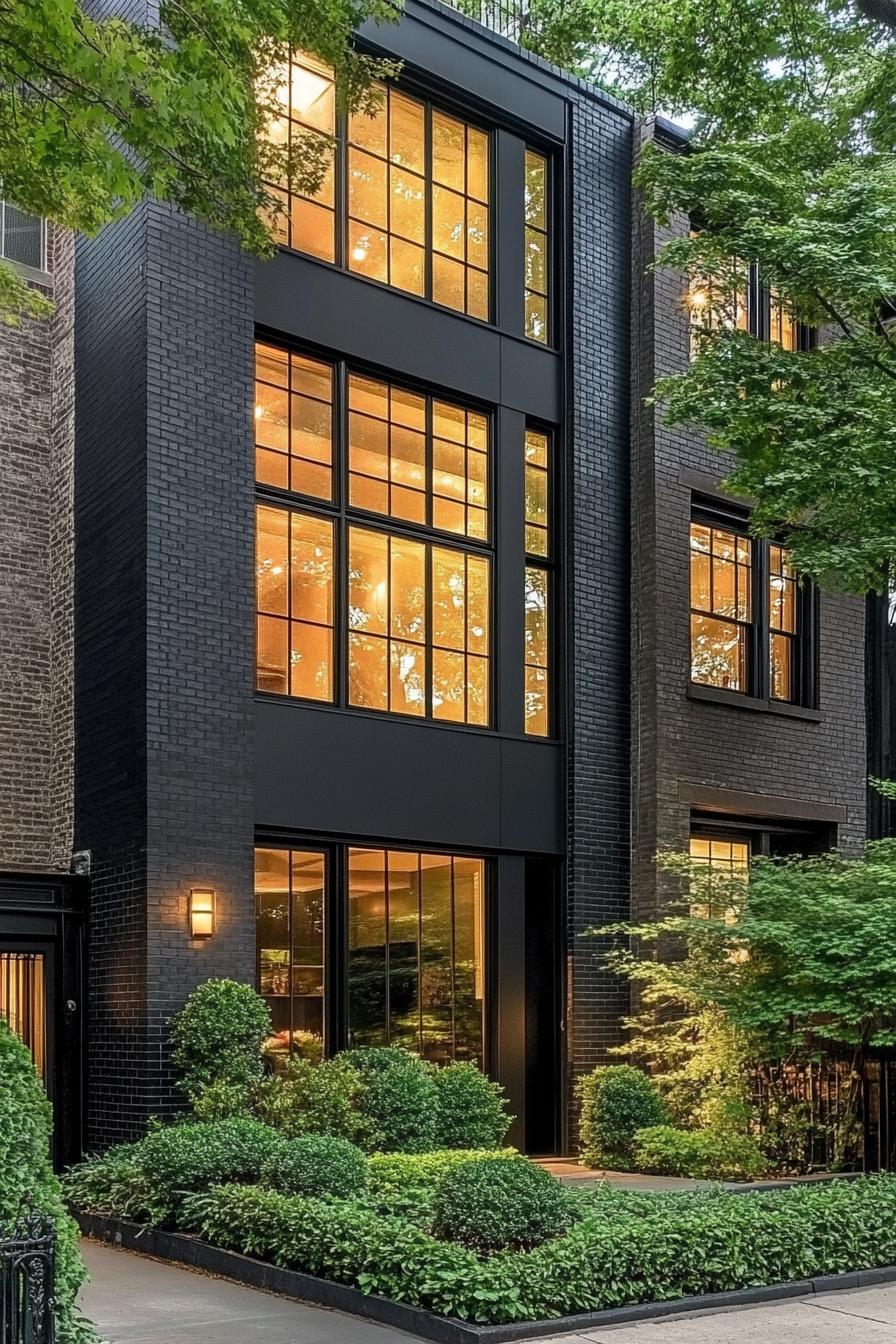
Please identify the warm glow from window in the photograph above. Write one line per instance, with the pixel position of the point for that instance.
(783, 609)
(23, 1002)
(293, 422)
(538, 261)
(290, 904)
(418, 628)
(306, 91)
(537, 491)
(294, 588)
(416, 972)
(783, 325)
(721, 604)
(537, 650)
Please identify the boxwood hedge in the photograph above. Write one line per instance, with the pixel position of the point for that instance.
(622, 1251)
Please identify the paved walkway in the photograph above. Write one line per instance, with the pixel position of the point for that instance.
(134, 1300)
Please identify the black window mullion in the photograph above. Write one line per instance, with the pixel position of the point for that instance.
(420, 953)
(427, 630)
(427, 199)
(340, 539)
(340, 193)
(388, 948)
(453, 960)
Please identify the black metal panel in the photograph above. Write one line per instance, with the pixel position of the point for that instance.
(369, 776)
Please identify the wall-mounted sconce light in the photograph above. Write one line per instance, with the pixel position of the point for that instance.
(202, 912)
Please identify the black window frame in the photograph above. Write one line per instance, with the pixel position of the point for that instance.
(431, 102)
(547, 563)
(345, 516)
(709, 512)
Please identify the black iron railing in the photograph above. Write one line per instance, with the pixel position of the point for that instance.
(506, 17)
(27, 1262)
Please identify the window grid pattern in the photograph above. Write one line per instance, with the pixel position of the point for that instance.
(721, 607)
(294, 601)
(537, 254)
(783, 618)
(306, 91)
(23, 237)
(538, 581)
(290, 914)
(418, 458)
(293, 422)
(727, 856)
(417, 620)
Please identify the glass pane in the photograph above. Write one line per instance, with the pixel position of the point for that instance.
(537, 651)
(307, 979)
(368, 395)
(477, 235)
(272, 417)
(781, 667)
(23, 1003)
(436, 942)
(368, 683)
(449, 686)
(312, 229)
(448, 283)
(367, 251)
(312, 93)
(311, 661)
(477, 604)
(406, 132)
(448, 222)
(536, 261)
(367, 1023)
(449, 598)
(407, 266)
(404, 928)
(477, 164)
(536, 194)
(718, 653)
(537, 701)
(311, 377)
(368, 564)
(406, 204)
(448, 156)
(407, 678)
(367, 189)
(271, 364)
(272, 921)
(272, 468)
(469, 961)
(272, 655)
(272, 560)
(23, 240)
(536, 316)
(370, 132)
(312, 569)
(311, 429)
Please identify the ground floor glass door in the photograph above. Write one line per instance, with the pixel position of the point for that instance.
(23, 1002)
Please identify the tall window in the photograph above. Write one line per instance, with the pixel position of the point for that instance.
(416, 952)
(750, 617)
(307, 94)
(22, 236)
(290, 902)
(416, 187)
(740, 299)
(538, 582)
(538, 259)
(405, 613)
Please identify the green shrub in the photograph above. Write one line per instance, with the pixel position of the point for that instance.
(617, 1101)
(223, 1100)
(218, 1035)
(472, 1110)
(27, 1181)
(316, 1164)
(494, 1205)
(634, 1248)
(405, 1183)
(702, 1154)
(398, 1100)
(313, 1099)
(180, 1158)
(113, 1183)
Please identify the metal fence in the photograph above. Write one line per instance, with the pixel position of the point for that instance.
(506, 17)
(27, 1263)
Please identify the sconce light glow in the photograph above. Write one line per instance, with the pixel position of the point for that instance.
(202, 912)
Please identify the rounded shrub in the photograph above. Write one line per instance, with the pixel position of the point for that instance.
(472, 1109)
(222, 1100)
(27, 1181)
(617, 1101)
(218, 1035)
(398, 1100)
(181, 1158)
(496, 1205)
(316, 1164)
(313, 1099)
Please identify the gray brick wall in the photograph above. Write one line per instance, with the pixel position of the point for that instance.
(597, 573)
(678, 741)
(36, 540)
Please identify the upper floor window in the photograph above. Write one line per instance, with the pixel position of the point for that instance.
(416, 189)
(539, 580)
(538, 261)
(750, 617)
(22, 237)
(376, 592)
(739, 299)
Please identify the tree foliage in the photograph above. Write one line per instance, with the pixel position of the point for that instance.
(98, 110)
(791, 166)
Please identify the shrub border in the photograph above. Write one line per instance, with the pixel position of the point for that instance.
(179, 1248)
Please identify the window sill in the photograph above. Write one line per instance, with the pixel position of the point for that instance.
(715, 695)
(32, 273)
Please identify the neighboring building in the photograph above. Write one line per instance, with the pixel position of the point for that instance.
(395, 767)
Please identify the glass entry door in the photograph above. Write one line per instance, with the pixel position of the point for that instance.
(24, 982)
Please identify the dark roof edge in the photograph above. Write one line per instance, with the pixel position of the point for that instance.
(592, 91)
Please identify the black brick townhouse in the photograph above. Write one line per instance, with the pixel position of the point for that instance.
(401, 634)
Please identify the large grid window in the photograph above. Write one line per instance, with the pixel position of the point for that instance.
(23, 237)
(348, 610)
(417, 458)
(306, 92)
(416, 187)
(538, 260)
(722, 855)
(721, 607)
(538, 580)
(416, 965)
(751, 619)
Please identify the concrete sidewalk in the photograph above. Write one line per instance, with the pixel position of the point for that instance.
(134, 1300)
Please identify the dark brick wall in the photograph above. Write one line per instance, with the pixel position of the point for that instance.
(597, 571)
(36, 448)
(164, 636)
(677, 741)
